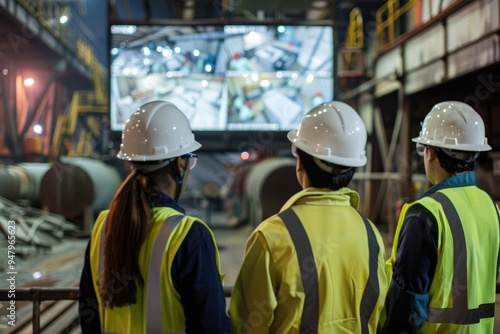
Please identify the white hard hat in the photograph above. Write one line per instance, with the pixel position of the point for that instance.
(332, 132)
(156, 131)
(453, 125)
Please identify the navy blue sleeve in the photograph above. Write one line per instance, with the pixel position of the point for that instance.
(413, 271)
(196, 278)
(88, 309)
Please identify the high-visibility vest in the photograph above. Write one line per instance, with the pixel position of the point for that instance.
(158, 307)
(325, 273)
(463, 291)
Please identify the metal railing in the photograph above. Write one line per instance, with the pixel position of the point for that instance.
(387, 16)
(38, 295)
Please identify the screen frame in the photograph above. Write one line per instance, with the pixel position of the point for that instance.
(227, 133)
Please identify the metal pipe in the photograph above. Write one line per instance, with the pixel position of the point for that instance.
(105, 179)
(268, 185)
(76, 187)
(22, 181)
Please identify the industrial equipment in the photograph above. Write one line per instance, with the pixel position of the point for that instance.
(270, 183)
(77, 187)
(21, 182)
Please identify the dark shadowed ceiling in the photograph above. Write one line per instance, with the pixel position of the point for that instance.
(336, 11)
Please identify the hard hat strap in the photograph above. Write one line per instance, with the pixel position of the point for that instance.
(330, 167)
(461, 155)
(179, 180)
(150, 166)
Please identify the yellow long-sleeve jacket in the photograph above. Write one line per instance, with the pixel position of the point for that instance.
(347, 263)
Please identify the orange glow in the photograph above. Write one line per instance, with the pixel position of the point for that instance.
(418, 12)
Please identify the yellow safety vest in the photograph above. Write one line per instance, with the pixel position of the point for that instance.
(317, 267)
(163, 308)
(463, 292)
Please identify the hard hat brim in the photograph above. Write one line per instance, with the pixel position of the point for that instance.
(341, 161)
(453, 146)
(170, 154)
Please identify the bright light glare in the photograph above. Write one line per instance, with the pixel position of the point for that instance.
(208, 68)
(244, 155)
(204, 83)
(281, 29)
(264, 83)
(29, 82)
(63, 19)
(196, 53)
(123, 29)
(38, 129)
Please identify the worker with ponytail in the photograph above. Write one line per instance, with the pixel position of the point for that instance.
(149, 267)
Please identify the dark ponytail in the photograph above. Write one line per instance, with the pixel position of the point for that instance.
(127, 225)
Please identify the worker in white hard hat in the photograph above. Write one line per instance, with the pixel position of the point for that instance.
(318, 266)
(444, 261)
(149, 267)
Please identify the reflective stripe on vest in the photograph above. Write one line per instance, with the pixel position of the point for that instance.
(372, 289)
(153, 302)
(309, 274)
(460, 313)
(153, 305)
(498, 215)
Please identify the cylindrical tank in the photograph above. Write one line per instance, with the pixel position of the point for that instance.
(74, 184)
(22, 181)
(270, 183)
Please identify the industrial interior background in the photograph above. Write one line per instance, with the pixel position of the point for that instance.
(392, 61)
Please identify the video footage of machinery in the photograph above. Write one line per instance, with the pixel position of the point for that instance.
(244, 73)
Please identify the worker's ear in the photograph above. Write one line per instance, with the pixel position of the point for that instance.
(431, 153)
(302, 176)
(299, 167)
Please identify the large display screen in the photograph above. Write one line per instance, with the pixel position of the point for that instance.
(223, 77)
